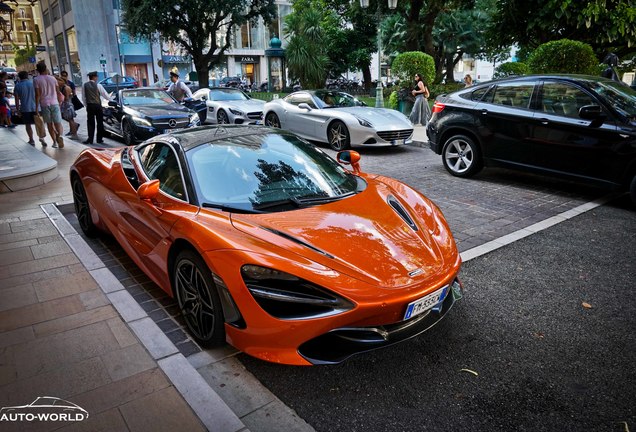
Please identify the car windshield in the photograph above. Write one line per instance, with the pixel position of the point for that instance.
(621, 97)
(146, 97)
(333, 99)
(227, 95)
(251, 173)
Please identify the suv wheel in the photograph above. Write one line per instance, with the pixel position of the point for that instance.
(461, 156)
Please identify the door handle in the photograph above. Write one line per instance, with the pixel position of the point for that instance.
(544, 121)
(484, 112)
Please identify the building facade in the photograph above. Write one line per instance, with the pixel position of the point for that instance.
(22, 29)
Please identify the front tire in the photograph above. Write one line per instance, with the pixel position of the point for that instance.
(272, 120)
(128, 133)
(338, 136)
(461, 156)
(198, 299)
(82, 207)
(221, 117)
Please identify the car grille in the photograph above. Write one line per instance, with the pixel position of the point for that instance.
(165, 123)
(395, 135)
(255, 115)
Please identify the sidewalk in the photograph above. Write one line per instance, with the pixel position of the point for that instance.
(61, 336)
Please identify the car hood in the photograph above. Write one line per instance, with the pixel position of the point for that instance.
(378, 116)
(361, 236)
(245, 106)
(170, 110)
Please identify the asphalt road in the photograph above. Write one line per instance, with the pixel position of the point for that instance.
(544, 361)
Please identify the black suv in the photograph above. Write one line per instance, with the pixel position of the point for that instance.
(574, 126)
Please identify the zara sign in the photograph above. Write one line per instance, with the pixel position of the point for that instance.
(246, 59)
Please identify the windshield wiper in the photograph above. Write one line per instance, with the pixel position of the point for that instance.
(227, 208)
(302, 201)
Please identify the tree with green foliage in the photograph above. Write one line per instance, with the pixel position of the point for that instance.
(194, 24)
(407, 64)
(306, 51)
(508, 69)
(563, 56)
(606, 25)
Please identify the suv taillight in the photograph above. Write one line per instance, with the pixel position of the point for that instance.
(438, 107)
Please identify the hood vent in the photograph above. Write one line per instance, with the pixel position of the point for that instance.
(393, 202)
(300, 242)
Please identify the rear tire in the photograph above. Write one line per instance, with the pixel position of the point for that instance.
(461, 156)
(198, 299)
(82, 207)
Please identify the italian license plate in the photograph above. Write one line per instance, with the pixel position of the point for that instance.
(422, 305)
(398, 142)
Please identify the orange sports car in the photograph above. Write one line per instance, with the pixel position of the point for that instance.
(270, 244)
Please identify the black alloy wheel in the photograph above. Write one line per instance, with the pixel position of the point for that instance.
(198, 299)
(82, 207)
(338, 136)
(272, 120)
(461, 156)
(128, 133)
(221, 117)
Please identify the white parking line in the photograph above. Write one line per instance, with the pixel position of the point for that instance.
(535, 228)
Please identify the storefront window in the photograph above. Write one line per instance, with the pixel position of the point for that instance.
(61, 53)
(73, 55)
(53, 57)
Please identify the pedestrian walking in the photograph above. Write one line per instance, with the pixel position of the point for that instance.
(47, 103)
(66, 106)
(25, 103)
(178, 89)
(92, 94)
(5, 106)
(421, 112)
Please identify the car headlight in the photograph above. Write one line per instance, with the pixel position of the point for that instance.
(236, 112)
(286, 296)
(363, 122)
(141, 121)
(194, 119)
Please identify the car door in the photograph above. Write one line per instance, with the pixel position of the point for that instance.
(145, 226)
(504, 117)
(564, 142)
(113, 114)
(301, 120)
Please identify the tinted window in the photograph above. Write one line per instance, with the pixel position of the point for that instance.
(621, 97)
(564, 99)
(297, 99)
(249, 172)
(513, 94)
(160, 162)
(476, 95)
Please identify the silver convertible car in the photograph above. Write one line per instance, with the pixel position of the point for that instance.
(230, 106)
(338, 119)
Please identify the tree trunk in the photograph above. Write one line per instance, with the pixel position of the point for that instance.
(366, 77)
(202, 67)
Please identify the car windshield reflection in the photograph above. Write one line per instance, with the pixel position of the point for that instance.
(333, 99)
(227, 95)
(621, 97)
(146, 97)
(252, 173)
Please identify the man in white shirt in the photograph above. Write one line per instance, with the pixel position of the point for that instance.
(178, 89)
(92, 94)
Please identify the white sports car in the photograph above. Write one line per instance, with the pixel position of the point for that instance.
(338, 119)
(230, 106)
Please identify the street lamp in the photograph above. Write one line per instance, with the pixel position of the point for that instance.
(379, 92)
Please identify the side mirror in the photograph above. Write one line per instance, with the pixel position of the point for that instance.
(149, 190)
(112, 103)
(591, 112)
(349, 157)
(204, 98)
(304, 106)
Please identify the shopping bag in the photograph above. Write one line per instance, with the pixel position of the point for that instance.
(39, 126)
(77, 104)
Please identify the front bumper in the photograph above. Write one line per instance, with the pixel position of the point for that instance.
(341, 343)
(373, 137)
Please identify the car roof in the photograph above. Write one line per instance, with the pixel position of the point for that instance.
(191, 138)
(564, 77)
